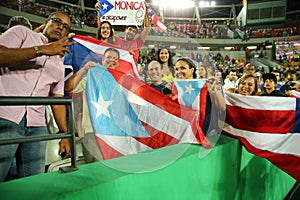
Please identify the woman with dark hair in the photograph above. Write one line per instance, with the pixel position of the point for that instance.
(202, 72)
(164, 57)
(105, 32)
(185, 68)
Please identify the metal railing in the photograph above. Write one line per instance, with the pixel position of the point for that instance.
(18, 101)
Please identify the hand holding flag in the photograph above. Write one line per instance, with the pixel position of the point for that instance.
(159, 26)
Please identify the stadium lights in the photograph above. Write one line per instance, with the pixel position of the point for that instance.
(175, 3)
(228, 48)
(203, 48)
(207, 4)
(252, 47)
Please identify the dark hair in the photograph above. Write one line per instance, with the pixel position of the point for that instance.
(276, 71)
(112, 49)
(191, 64)
(170, 63)
(269, 76)
(243, 79)
(132, 26)
(19, 20)
(99, 36)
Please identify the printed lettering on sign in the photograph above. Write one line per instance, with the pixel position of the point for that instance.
(123, 12)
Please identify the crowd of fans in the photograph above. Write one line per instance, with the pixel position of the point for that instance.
(207, 29)
(220, 67)
(235, 75)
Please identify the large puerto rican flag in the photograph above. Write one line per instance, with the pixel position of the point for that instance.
(129, 116)
(91, 49)
(268, 127)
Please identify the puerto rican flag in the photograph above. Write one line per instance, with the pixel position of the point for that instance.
(128, 116)
(91, 49)
(159, 26)
(268, 127)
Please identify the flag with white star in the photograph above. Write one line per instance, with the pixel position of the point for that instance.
(189, 92)
(106, 104)
(128, 116)
(122, 12)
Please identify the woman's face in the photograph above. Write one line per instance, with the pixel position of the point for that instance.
(247, 87)
(183, 70)
(202, 72)
(105, 30)
(164, 55)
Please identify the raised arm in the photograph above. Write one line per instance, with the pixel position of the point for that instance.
(147, 27)
(73, 81)
(97, 6)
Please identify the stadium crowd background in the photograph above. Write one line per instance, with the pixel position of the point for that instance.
(208, 29)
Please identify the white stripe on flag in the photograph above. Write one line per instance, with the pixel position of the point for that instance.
(99, 49)
(161, 119)
(263, 103)
(273, 142)
(126, 145)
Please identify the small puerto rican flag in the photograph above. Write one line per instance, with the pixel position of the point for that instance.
(159, 26)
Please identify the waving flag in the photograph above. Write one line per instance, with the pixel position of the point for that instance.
(268, 127)
(159, 26)
(129, 116)
(91, 49)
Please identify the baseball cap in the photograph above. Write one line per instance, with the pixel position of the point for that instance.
(286, 87)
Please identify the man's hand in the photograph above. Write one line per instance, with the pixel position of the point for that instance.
(57, 48)
(64, 144)
(97, 5)
(40, 28)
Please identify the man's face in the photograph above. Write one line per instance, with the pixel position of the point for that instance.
(232, 76)
(270, 84)
(57, 27)
(249, 69)
(130, 33)
(154, 72)
(111, 60)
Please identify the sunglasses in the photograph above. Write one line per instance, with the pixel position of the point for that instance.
(60, 22)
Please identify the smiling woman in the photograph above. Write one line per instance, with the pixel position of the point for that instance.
(247, 85)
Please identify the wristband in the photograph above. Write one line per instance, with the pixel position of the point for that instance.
(37, 51)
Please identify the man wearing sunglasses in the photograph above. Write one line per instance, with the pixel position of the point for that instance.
(31, 65)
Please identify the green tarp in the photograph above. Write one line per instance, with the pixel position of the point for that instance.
(180, 172)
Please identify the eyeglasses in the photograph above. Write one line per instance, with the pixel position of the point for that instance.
(60, 22)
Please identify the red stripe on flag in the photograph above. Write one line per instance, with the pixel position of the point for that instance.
(288, 163)
(158, 139)
(124, 66)
(107, 151)
(271, 121)
(166, 103)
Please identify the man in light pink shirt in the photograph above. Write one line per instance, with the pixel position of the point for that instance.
(30, 65)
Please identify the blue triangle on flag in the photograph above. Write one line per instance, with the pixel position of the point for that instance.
(105, 7)
(110, 112)
(188, 90)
